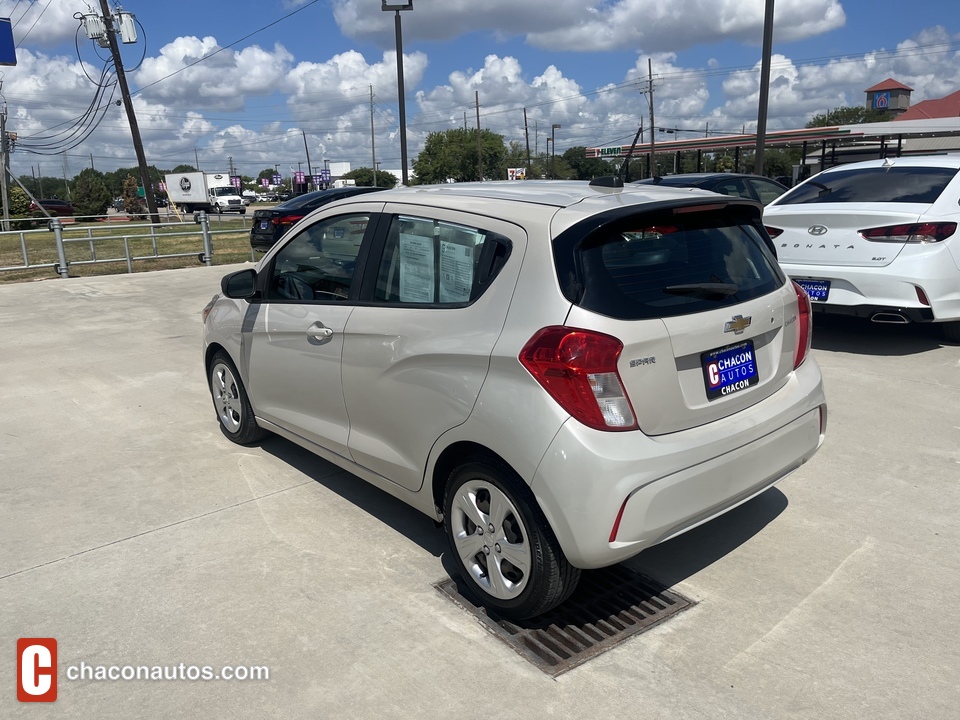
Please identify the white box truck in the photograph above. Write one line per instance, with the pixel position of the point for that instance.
(212, 192)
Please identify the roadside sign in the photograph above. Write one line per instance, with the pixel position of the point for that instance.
(8, 51)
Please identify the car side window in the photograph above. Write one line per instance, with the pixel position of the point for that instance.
(429, 261)
(767, 192)
(735, 187)
(317, 264)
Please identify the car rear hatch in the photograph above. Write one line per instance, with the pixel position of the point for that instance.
(707, 320)
(830, 234)
(856, 216)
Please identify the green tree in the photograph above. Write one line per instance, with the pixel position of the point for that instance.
(584, 168)
(848, 116)
(19, 202)
(452, 154)
(133, 204)
(184, 169)
(364, 177)
(115, 180)
(266, 173)
(90, 193)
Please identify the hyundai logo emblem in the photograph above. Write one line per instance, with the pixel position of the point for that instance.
(817, 230)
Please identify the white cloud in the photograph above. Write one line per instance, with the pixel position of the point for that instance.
(798, 93)
(597, 25)
(222, 81)
(44, 23)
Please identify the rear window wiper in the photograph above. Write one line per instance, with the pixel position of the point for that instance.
(706, 290)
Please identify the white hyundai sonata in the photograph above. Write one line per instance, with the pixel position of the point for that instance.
(563, 373)
(876, 239)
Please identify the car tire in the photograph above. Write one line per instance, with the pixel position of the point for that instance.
(951, 331)
(234, 412)
(531, 574)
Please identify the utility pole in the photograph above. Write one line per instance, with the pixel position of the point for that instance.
(479, 144)
(526, 134)
(91, 162)
(66, 185)
(5, 159)
(230, 161)
(373, 147)
(653, 125)
(131, 115)
(307, 151)
(196, 156)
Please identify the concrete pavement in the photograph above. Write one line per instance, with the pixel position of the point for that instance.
(135, 534)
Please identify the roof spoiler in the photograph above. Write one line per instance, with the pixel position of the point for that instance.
(610, 181)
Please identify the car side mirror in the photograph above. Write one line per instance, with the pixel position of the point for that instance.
(241, 285)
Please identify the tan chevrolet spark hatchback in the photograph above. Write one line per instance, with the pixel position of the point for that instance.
(563, 373)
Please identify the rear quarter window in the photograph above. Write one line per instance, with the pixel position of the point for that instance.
(667, 264)
(873, 185)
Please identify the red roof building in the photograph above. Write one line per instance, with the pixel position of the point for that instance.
(948, 106)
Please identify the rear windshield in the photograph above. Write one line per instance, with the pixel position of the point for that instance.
(873, 185)
(668, 264)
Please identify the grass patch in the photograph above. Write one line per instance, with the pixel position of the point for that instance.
(114, 241)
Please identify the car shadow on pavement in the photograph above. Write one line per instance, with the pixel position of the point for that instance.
(675, 560)
(407, 521)
(862, 337)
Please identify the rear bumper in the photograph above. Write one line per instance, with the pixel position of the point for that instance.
(262, 243)
(867, 291)
(662, 486)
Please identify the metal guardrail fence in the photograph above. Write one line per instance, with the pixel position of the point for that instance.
(133, 237)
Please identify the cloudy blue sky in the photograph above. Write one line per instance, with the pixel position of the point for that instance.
(246, 79)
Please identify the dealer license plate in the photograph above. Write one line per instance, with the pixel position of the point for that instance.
(818, 290)
(263, 224)
(729, 370)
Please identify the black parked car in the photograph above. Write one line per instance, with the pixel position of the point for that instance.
(761, 189)
(270, 225)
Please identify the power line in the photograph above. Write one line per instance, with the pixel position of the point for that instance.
(226, 47)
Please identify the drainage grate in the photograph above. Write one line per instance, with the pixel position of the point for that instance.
(608, 606)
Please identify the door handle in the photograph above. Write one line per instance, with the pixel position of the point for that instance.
(318, 331)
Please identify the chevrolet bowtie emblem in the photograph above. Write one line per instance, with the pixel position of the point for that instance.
(738, 324)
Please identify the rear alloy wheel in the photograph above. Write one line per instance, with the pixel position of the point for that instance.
(504, 549)
(234, 413)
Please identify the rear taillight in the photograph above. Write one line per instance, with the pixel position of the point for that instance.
(929, 232)
(578, 368)
(288, 219)
(772, 231)
(804, 326)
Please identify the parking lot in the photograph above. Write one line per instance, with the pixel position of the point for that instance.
(135, 534)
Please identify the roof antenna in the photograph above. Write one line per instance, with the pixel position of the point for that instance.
(626, 160)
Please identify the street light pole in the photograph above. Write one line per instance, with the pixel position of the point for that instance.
(764, 86)
(553, 157)
(387, 6)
